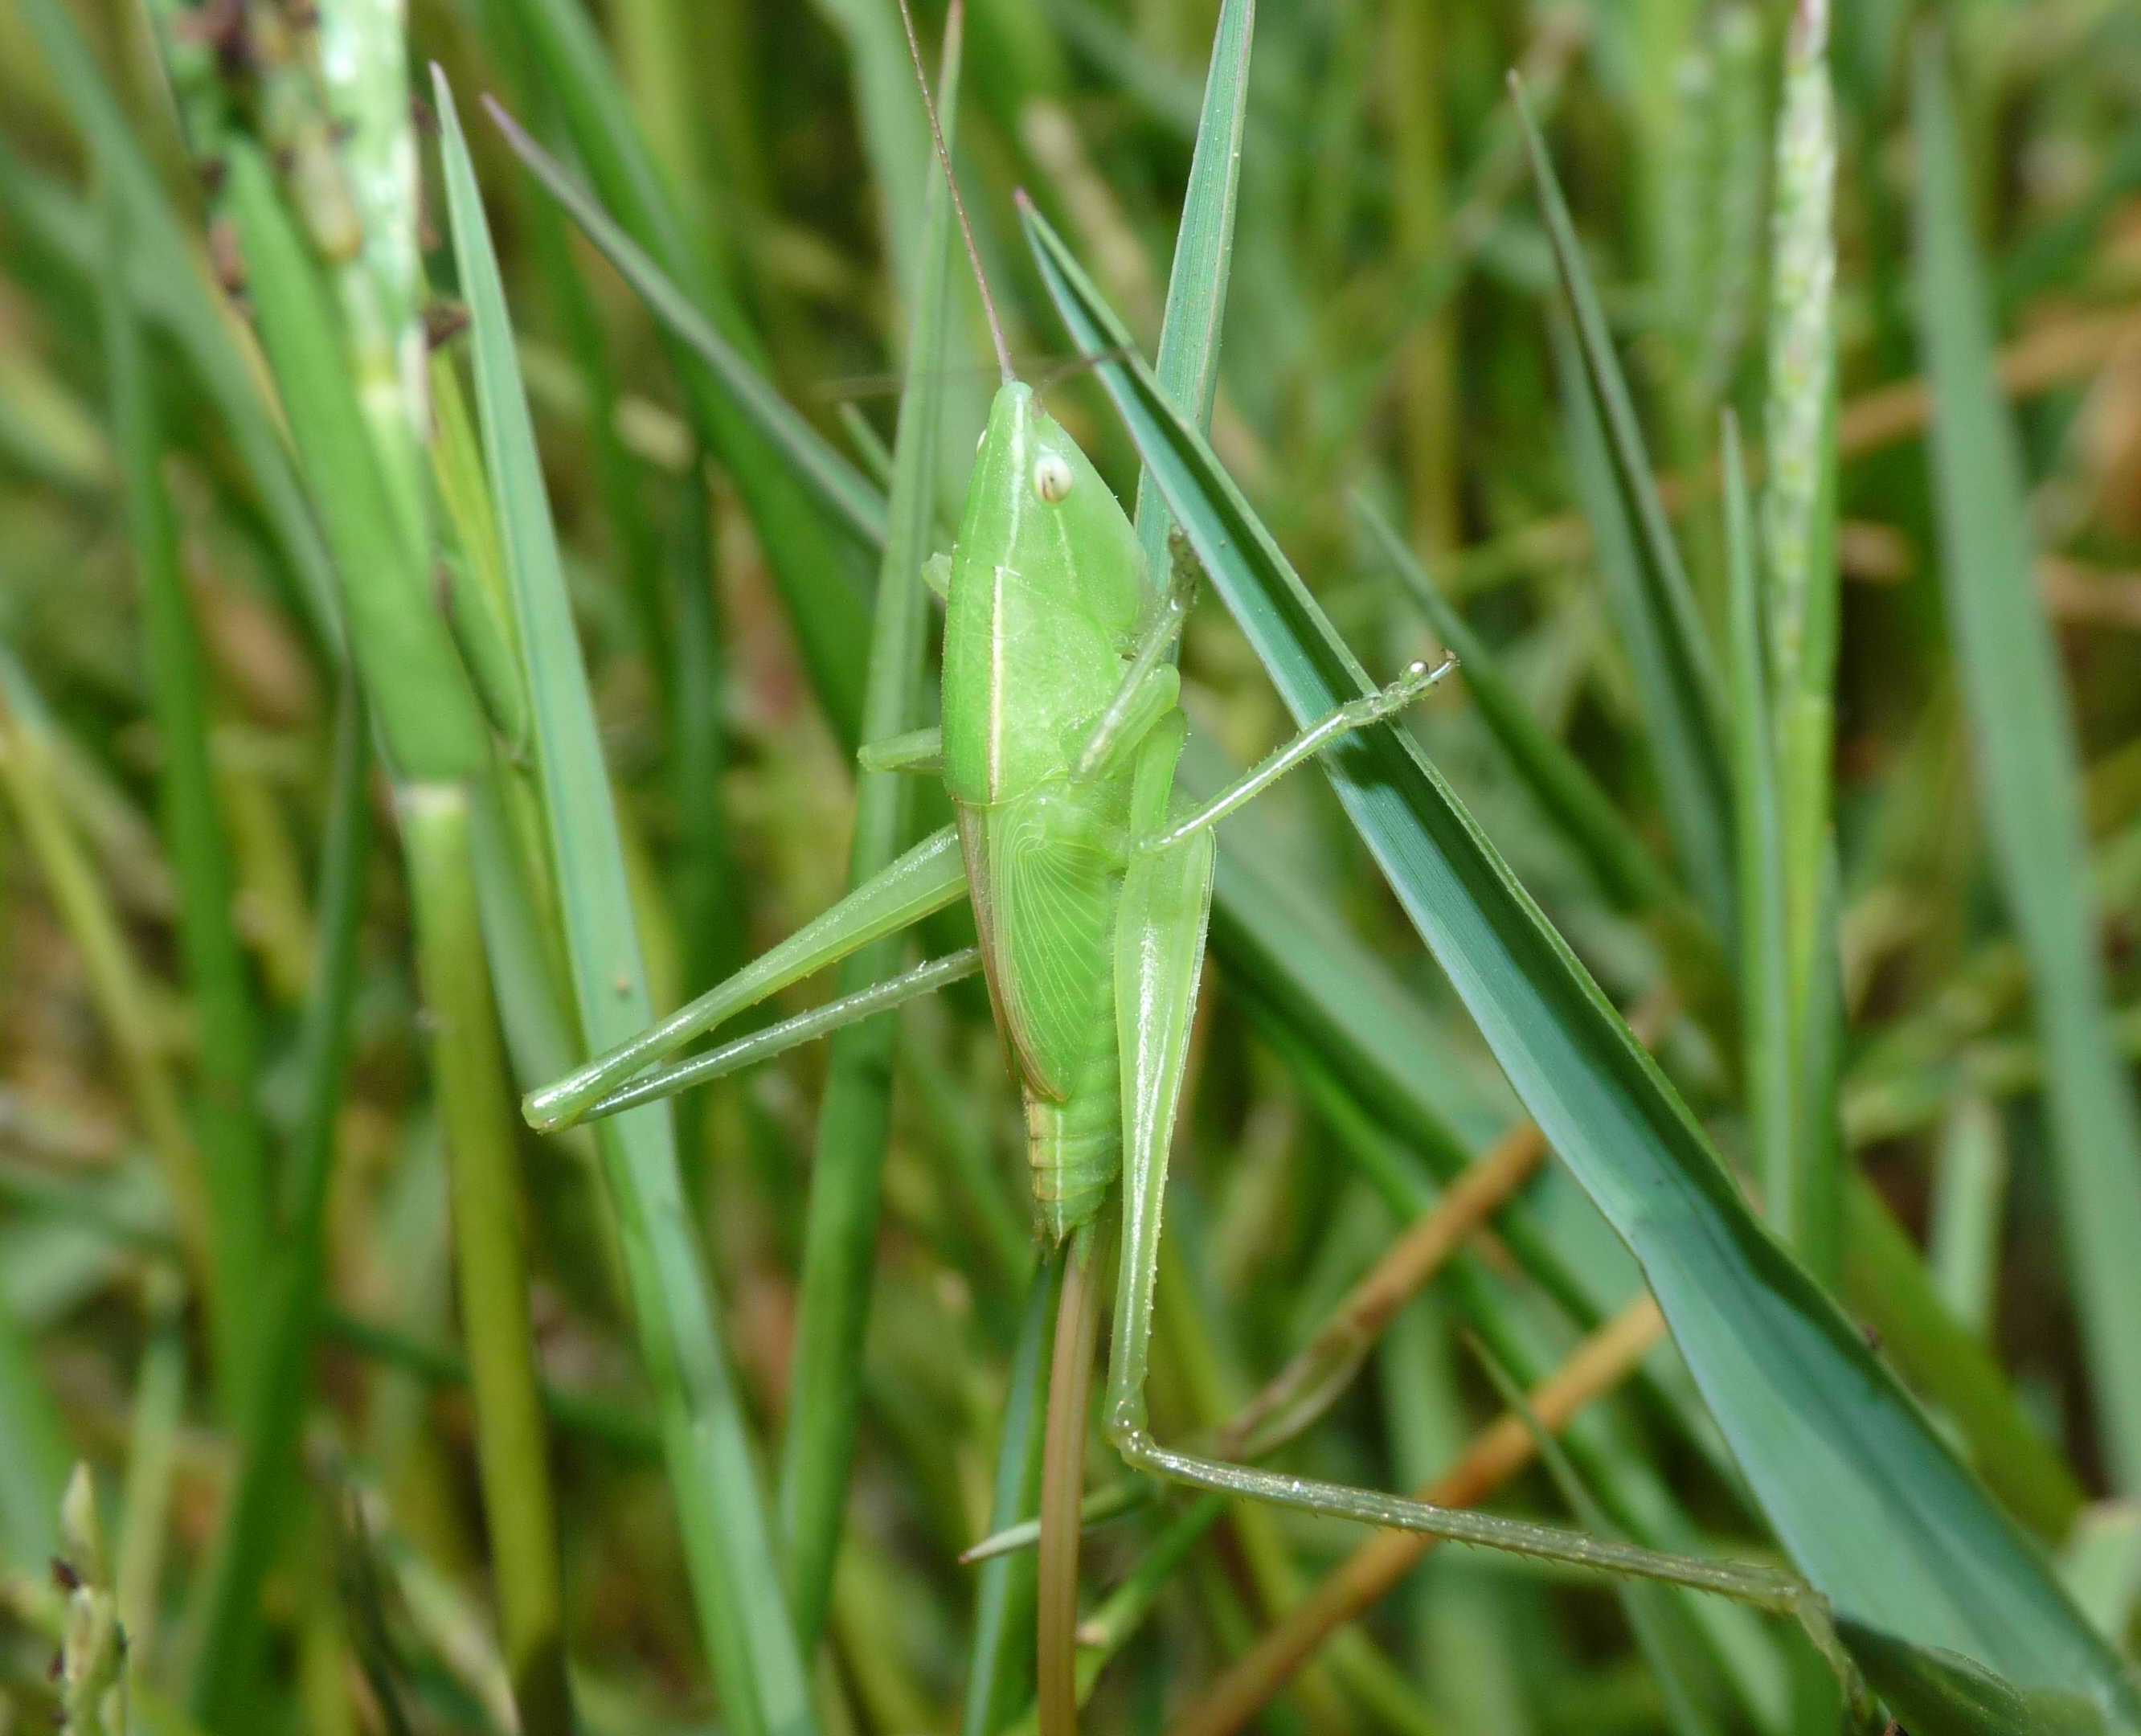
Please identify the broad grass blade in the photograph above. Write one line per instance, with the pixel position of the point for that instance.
(727, 1541)
(2028, 769)
(1868, 1501)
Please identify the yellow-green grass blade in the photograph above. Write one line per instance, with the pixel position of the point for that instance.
(167, 283)
(813, 564)
(229, 1610)
(427, 711)
(226, 1117)
(854, 1118)
(2029, 771)
(1866, 1498)
(726, 1539)
(1680, 688)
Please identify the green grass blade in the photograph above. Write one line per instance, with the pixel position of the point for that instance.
(168, 286)
(253, 1528)
(1188, 364)
(1687, 765)
(1765, 1018)
(855, 1120)
(839, 487)
(226, 1117)
(33, 1470)
(2029, 770)
(999, 1670)
(1624, 869)
(811, 564)
(727, 1541)
(1647, 1607)
(1680, 682)
(427, 711)
(1800, 585)
(1867, 1499)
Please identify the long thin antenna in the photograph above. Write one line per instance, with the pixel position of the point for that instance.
(953, 22)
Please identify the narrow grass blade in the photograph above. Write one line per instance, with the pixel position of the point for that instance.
(167, 283)
(812, 564)
(33, 1469)
(1188, 364)
(1800, 585)
(839, 487)
(854, 1119)
(229, 1609)
(490, 1259)
(1969, 1197)
(1687, 766)
(1648, 1607)
(1867, 1499)
(1765, 1017)
(2028, 769)
(226, 1116)
(999, 1670)
(1681, 681)
(727, 1542)
(1624, 869)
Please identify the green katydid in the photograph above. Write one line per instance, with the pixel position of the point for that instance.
(1091, 885)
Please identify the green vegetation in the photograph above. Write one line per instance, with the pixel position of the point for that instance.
(468, 476)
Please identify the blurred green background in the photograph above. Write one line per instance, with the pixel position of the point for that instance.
(242, 1080)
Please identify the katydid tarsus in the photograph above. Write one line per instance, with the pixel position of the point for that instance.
(1091, 882)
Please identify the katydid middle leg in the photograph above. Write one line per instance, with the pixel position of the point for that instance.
(927, 879)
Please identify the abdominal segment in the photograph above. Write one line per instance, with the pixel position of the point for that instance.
(1075, 1147)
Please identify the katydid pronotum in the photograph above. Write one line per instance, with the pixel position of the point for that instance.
(1091, 885)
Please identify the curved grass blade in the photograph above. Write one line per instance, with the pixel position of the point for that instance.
(1865, 1496)
(727, 1541)
(2028, 768)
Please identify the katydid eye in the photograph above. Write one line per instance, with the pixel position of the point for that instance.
(1051, 478)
